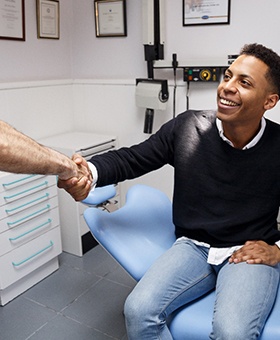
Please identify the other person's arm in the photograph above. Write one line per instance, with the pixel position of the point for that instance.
(21, 154)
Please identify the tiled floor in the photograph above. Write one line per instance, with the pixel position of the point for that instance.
(82, 300)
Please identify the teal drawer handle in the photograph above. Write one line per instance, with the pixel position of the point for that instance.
(28, 216)
(16, 264)
(17, 181)
(30, 231)
(28, 203)
(27, 190)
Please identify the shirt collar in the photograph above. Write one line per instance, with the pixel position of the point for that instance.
(252, 143)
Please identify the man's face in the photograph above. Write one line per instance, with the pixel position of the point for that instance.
(243, 95)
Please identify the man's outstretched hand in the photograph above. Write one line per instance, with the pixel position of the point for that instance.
(78, 187)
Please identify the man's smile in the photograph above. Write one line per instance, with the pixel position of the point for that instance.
(228, 102)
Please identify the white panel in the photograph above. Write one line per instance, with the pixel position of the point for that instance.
(148, 21)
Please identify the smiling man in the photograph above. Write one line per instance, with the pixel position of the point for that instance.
(225, 205)
(245, 94)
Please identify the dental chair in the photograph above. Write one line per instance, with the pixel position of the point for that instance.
(100, 196)
(138, 233)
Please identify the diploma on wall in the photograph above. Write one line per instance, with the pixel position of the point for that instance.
(110, 17)
(201, 12)
(12, 25)
(48, 19)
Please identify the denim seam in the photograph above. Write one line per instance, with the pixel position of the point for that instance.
(265, 302)
(181, 292)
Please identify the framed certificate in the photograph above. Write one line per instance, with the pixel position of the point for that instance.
(48, 19)
(206, 12)
(110, 18)
(12, 20)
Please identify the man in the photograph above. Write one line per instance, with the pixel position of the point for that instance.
(225, 204)
(21, 154)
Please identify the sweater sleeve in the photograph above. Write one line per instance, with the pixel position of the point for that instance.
(137, 160)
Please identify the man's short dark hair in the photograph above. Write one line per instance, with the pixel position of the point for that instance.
(270, 58)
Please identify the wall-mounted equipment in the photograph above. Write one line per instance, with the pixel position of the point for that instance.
(147, 92)
(202, 74)
(153, 40)
(193, 70)
(151, 94)
(153, 29)
(232, 58)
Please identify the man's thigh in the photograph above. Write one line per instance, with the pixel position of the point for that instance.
(245, 294)
(179, 276)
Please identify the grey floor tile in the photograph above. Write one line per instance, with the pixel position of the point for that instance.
(96, 261)
(101, 308)
(61, 288)
(62, 328)
(124, 337)
(83, 300)
(119, 275)
(20, 318)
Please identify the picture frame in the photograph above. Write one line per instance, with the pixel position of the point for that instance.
(12, 20)
(206, 12)
(48, 19)
(110, 18)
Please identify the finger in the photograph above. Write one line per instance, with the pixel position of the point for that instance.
(78, 160)
(66, 184)
(80, 194)
(239, 257)
(83, 170)
(255, 261)
(81, 185)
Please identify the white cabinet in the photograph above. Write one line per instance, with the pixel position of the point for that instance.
(76, 238)
(30, 239)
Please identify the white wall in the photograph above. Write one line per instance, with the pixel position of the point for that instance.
(87, 83)
(251, 21)
(38, 109)
(118, 57)
(38, 59)
(79, 54)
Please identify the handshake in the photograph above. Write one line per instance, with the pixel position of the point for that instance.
(80, 184)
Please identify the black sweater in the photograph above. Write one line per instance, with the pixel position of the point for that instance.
(222, 196)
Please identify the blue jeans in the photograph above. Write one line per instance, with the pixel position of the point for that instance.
(245, 294)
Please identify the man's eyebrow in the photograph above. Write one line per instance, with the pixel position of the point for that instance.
(247, 76)
(240, 75)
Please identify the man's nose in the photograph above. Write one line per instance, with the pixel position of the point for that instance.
(230, 85)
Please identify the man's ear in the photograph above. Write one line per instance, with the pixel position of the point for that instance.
(271, 101)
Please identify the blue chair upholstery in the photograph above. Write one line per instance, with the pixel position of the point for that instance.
(139, 232)
(100, 195)
(128, 234)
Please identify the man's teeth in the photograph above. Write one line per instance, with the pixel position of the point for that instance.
(228, 102)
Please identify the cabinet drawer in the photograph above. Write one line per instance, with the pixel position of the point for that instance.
(15, 237)
(28, 215)
(27, 202)
(10, 181)
(12, 191)
(30, 256)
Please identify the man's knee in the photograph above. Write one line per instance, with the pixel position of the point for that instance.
(135, 308)
(129, 307)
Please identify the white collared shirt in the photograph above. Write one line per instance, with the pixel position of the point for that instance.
(252, 143)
